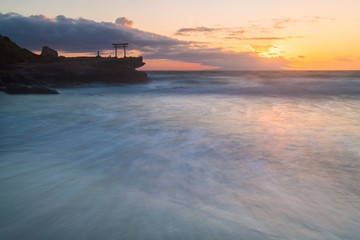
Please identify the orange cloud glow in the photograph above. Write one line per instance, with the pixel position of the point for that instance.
(47, 17)
(166, 64)
(124, 22)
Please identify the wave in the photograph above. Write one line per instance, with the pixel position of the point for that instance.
(257, 82)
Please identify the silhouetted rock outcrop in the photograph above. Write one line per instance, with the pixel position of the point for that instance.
(11, 53)
(49, 53)
(20, 66)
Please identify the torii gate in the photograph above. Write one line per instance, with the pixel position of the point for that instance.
(116, 45)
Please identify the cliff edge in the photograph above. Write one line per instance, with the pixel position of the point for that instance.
(19, 66)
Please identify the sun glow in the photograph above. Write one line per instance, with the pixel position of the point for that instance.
(272, 52)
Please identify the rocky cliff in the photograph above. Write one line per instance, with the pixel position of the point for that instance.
(10, 53)
(21, 66)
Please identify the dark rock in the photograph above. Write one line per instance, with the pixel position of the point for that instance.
(70, 73)
(2, 85)
(10, 53)
(49, 53)
(20, 66)
(23, 89)
(135, 62)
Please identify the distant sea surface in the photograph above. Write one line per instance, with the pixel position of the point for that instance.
(190, 155)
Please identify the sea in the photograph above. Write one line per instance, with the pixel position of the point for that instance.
(215, 155)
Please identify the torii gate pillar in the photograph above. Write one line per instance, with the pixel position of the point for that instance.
(116, 45)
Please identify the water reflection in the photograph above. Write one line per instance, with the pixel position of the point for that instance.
(183, 166)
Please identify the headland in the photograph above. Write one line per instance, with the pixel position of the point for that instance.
(22, 71)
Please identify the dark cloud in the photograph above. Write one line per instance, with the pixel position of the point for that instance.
(76, 35)
(83, 35)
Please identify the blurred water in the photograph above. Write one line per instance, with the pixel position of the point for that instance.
(191, 155)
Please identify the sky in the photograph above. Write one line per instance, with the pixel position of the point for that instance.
(195, 35)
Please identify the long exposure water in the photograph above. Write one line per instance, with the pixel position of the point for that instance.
(190, 155)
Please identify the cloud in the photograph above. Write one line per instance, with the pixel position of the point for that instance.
(319, 18)
(84, 36)
(237, 32)
(186, 31)
(344, 59)
(211, 31)
(258, 28)
(224, 59)
(263, 38)
(280, 23)
(124, 22)
(76, 35)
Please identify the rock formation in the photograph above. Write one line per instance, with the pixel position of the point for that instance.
(49, 53)
(24, 68)
(10, 53)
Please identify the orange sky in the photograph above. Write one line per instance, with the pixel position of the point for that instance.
(308, 43)
(307, 35)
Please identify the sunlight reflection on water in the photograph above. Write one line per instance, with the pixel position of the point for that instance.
(101, 163)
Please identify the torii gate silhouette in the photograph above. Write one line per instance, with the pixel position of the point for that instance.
(116, 45)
